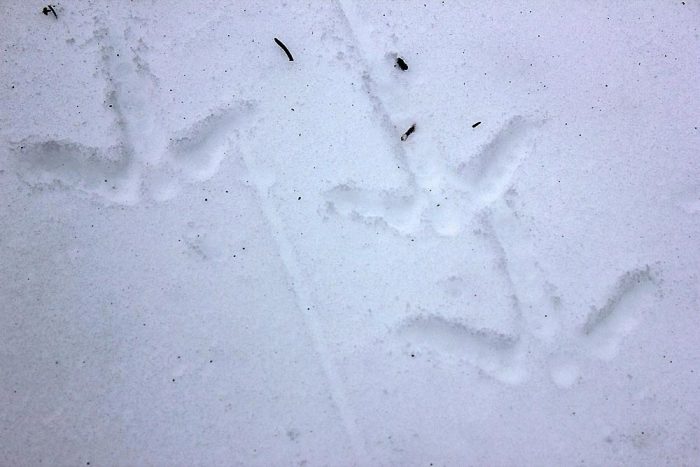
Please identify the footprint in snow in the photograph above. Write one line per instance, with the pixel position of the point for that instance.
(481, 189)
(145, 162)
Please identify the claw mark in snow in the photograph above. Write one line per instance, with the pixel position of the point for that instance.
(605, 327)
(103, 172)
(199, 150)
(497, 355)
(635, 292)
(398, 211)
(490, 171)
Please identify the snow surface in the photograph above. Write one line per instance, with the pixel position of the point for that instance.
(212, 255)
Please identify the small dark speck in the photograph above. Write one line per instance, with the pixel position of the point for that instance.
(476, 124)
(413, 355)
(299, 198)
(206, 199)
(401, 63)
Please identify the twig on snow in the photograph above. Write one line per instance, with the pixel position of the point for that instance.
(408, 132)
(401, 63)
(49, 9)
(286, 50)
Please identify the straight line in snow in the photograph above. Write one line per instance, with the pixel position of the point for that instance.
(302, 296)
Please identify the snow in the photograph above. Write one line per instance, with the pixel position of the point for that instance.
(212, 255)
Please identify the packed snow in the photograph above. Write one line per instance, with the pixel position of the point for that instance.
(350, 233)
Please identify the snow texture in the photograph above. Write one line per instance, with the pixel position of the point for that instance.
(213, 255)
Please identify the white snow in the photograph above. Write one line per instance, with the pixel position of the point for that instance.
(212, 255)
